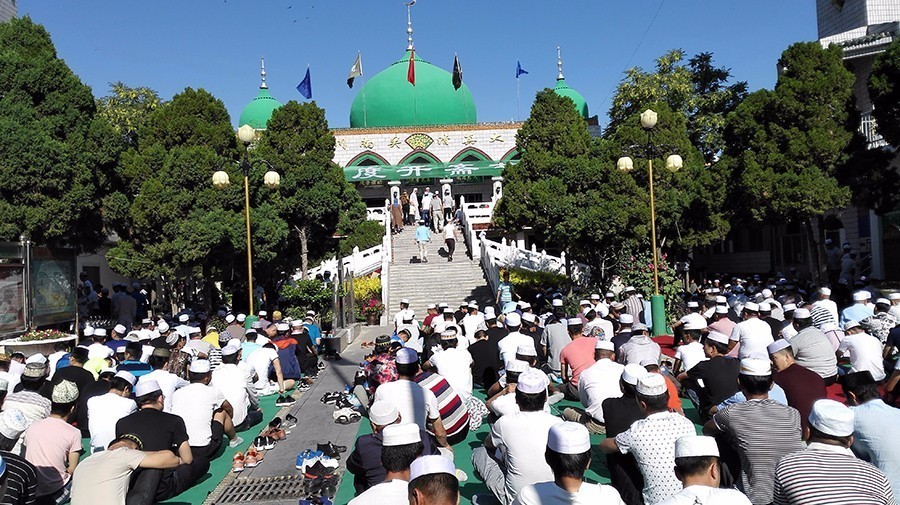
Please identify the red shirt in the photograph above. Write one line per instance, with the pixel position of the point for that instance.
(578, 355)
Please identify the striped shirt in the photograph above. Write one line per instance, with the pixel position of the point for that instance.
(762, 431)
(829, 475)
(21, 483)
(453, 410)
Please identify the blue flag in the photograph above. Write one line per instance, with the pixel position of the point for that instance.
(520, 70)
(305, 86)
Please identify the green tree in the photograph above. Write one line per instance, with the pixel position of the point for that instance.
(127, 109)
(697, 89)
(572, 200)
(884, 90)
(57, 156)
(314, 199)
(785, 145)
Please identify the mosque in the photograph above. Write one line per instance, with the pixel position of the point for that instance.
(405, 136)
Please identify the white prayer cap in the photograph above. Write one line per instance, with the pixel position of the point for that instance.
(123, 374)
(145, 387)
(595, 296)
(449, 333)
(400, 434)
(584, 302)
(802, 314)
(632, 373)
(825, 291)
(194, 330)
(765, 307)
(229, 318)
(574, 321)
(757, 367)
(443, 305)
(98, 351)
(513, 319)
(88, 331)
(107, 370)
(605, 345)
(693, 305)
(851, 324)
(881, 301)
(404, 301)
(721, 299)
(638, 327)
(282, 327)
(651, 384)
(767, 293)
(383, 412)
(529, 317)
(12, 423)
(556, 302)
(431, 306)
(407, 356)
(524, 305)
(894, 296)
(693, 446)
(517, 366)
(64, 392)
(241, 318)
(230, 350)
(751, 307)
(859, 296)
(262, 313)
(162, 327)
(200, 366)
(428, 465)
(694, 325)
(532, 381)
(526, 350)
(37, 358)
(310, 313)
(719, 337)
(473, 305)
(832, 418)
(234, 341)
(569, 438)
(629, 288)
(778, 345)
(787, 307)
(183, 318)
(610, 294)
(721, 309)
(120, 329)
(626, 319)
(448, 310)
(489, 313)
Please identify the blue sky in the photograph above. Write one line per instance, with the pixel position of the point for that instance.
(216, 44)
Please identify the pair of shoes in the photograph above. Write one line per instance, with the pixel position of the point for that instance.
(320, 487)
(290, 421)
(320, 366)
(236, 442)
(303, 387)
(323, 466)
(331, 450)
(346, 416)
(264, 442)
(331, 397)
(306, 459)
(252, 458)
(237, 462)
(284, 401)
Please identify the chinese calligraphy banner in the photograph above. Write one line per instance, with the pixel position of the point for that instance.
(429, 171)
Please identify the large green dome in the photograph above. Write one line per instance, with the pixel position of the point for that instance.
(563, 89)
(258, 112)
(388, 99)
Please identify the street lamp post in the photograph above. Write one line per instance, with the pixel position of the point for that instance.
(673, 163)
(246, 134)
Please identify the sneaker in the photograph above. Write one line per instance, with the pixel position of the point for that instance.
(284, 401)
(259, 443)
(237, 462)
(270, 443)
(330, 397)
(346, 416)
(321, 366)
(343, 403)
(251, 459)
(290, 421)
(236, 442)
(316, 470)
(306, 459)
(331, 450)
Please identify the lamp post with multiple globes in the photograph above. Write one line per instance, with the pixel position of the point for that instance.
(673, 163)
(246, 134)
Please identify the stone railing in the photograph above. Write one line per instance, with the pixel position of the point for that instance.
(497, 255)
(379, 214)
(474, 217)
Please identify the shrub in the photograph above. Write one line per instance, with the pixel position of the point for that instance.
(364, 235)
(366, 288)
(307, 295)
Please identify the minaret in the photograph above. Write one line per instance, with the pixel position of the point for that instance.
(559, 64)
(409, 29)
(262, 73)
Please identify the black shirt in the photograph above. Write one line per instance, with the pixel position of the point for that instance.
(364, 461)
(484, 363)
(719, 376)
(76, 374)
(624, 474)
(21, 481)
(495, 334)
(775, 325)
(92, 389)
(620, 339)
(157, 430)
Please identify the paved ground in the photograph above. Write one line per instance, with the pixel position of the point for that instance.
(315, 420)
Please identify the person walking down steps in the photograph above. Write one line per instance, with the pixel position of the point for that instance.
(450, 239)
(423, 237)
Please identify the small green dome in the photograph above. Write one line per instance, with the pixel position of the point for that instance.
(388, 99)
(258, 112)
(563, 89)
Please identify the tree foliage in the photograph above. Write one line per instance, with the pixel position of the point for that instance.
(57, 156)
(127, 109)
(572, 200)
(884, 90)
(697, 89)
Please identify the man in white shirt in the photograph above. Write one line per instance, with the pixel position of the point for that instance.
(415, 403)
(865, 350)
(826, 301)
(753, 333)
(104, 411)
(401, 444)
(698, 468)
(517, 440)
(691, 352)
(399, 315)
(168, 382)
(234, 379)
(508, 344)
(693, 319)
(473, 321)
(263, 359)
(640, 347)
(595, 384)
(569, 455)
(206, 413)
(454, 364)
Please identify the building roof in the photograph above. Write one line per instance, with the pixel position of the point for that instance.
(258, 111)
(563, 89)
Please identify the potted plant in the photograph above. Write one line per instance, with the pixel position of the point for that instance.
(37, 341)
(372, 311)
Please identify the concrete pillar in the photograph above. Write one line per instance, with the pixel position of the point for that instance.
(394, 187)
(497, 192)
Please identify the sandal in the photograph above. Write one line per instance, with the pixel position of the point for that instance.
(251, 459)
(237, 464)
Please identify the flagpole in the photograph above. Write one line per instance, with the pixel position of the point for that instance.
(517, 98)
(362, 74)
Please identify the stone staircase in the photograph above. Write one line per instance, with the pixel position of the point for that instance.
(436, 281)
